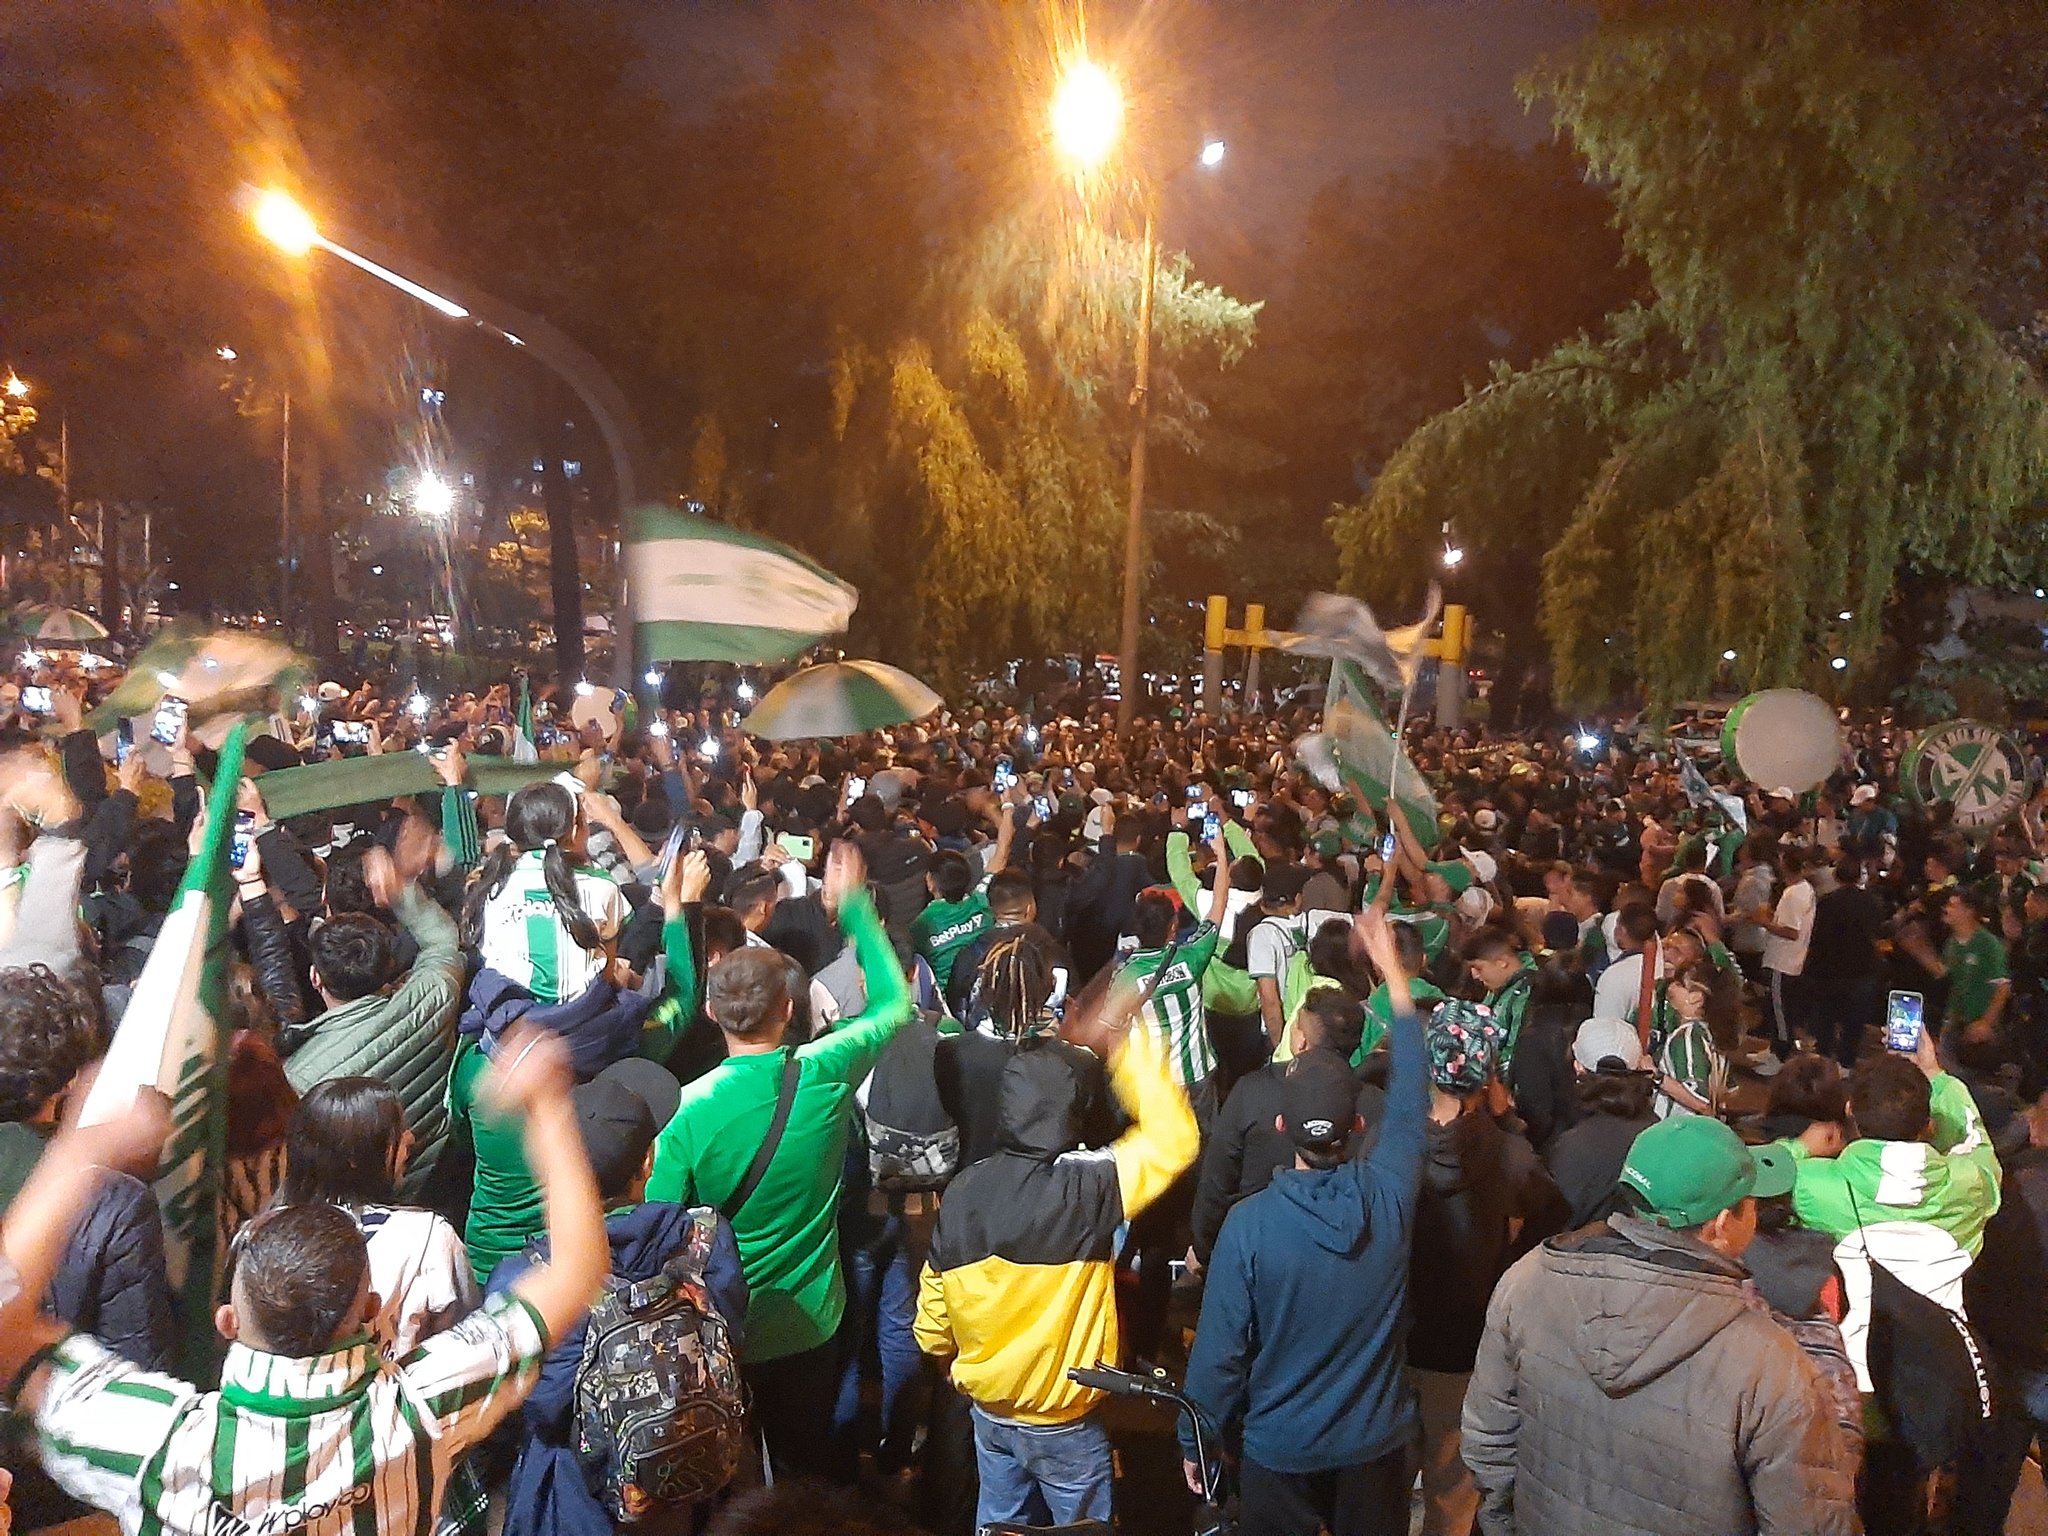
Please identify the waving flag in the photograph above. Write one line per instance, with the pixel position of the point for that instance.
(703, 591)
(174, 1038)
(1344, 629)
(1356, 753)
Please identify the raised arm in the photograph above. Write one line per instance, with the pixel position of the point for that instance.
(850, 1051)
(530, 1079)
(682, 986)
(1398, 1152)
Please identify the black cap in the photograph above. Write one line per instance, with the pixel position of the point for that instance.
(1319, 1100)
(268, 753)
(620, 1112)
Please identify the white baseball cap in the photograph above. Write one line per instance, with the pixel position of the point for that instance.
(1599, 1040)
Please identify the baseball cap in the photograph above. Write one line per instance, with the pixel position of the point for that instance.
(620, 1112)
(1602, 1040)
(1863, 794)
(1456, 873)
(1483, 863)
(1327, 844)
(1486, 819)
(1690, 1169)
(330, 693)
(1319, 1100)
(1784, 792)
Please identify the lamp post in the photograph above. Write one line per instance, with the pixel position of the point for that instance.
(1087, 117)
(285, 224)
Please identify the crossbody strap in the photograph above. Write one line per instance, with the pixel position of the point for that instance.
(785, 1097)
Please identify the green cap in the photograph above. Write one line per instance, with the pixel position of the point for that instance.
(1327, 844)
(1457, 874)
(1690, 1169)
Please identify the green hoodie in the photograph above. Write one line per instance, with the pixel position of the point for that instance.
(1921, 1207)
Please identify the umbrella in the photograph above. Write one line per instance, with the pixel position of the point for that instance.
(841, 698)
(53, 624)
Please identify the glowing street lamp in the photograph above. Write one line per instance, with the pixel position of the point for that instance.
(433, 496)
(17, 387)
(1087, 114)
(1212, 154)
(281, 221)
(1453, 557)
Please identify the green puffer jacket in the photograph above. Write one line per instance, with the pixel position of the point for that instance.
(404, 1035)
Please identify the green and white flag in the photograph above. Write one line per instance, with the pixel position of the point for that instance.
(703, 591)
(174, 1038)
(1356, 752)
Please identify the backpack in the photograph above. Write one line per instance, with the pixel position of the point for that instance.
(660, 1410)
(1927, 1370)
(913, 1144)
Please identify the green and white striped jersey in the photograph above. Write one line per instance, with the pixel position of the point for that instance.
(341, 1444)
(1174, 1013)
(1688, 1057)
(523, 936)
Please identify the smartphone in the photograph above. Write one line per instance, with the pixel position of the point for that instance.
(1388, 845)
(802, 849)
(1212, 826)
(1197, 793)
(245, 834)
(1005, 775)
(1904, 1017)
(124, 740)
(855, 788)
(35, 698)
(352, 733)
(671, 850)
(1043, 805)
(170, 719)
(1241, 798)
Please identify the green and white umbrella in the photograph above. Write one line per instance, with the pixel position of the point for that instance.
(54, 624)
(841, 698)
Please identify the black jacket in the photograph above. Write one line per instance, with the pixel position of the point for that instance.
(1586, 1163)
(2003, 1289)
(1245, 1150)
(1540, 1076)
(969, 1069)
(112, 1283)
(1486, 1200)
(1847, 923)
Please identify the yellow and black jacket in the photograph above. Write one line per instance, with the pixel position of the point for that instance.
(1020, 1285)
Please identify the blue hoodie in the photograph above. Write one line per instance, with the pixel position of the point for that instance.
(1303, 1333)
(547, 1494)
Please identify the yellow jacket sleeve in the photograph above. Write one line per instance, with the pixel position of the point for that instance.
(1163, 1139)
(933, 1326)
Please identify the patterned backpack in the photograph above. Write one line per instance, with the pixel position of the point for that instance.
(660, 1410)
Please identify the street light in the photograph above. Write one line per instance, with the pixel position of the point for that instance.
(17, 387)
(433, 496)
(281, 221)
(1087, 119)
(1453, 557)
(1087, 114)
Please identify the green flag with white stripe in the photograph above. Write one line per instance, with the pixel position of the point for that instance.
(174, 1038)
(703, 591)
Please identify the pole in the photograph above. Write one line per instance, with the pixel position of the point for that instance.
(1134, 529)
(284, 520)
(1450, 670)
(64, 496)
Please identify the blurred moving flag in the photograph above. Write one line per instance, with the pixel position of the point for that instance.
(1705, 797)
(1355, 753)
(703, 591)
(174, 1038)
(1344, 629)
(222, 674)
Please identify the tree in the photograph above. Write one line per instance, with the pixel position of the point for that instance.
(1809, 402)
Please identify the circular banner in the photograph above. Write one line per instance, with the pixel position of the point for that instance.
(1976, 768)
(1783, 738)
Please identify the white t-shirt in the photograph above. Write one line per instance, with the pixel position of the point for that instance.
(1795, 910)
(1276, 939)
(420, 1272)
(1621, 987)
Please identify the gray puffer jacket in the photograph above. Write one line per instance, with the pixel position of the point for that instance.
(1625, 1385)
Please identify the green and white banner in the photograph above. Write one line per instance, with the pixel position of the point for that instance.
(174, 1038)
(703, 591)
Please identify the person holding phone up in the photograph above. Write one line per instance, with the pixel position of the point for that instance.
(1974, 962)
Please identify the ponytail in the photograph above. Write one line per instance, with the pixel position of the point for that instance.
(488, 880)
(561, 883)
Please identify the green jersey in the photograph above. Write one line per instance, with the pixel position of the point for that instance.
(1174, 1013)
(1511, 1005)
(1379, 1014)
(945, 928)
(1976, 968)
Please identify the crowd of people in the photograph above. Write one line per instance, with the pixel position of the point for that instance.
(718, 1133)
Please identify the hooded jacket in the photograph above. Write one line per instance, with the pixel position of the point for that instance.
(1626, 1384)
(600, 1025)
(548, 1495)
(405, 1036)
(1019, 1286)
(1304, 1321)
(1486, 1200)
(1920, 1208)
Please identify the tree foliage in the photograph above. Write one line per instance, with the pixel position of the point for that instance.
(1810, 400)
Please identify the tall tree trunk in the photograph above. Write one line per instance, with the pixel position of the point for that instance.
(564, 570)
(316, 544)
